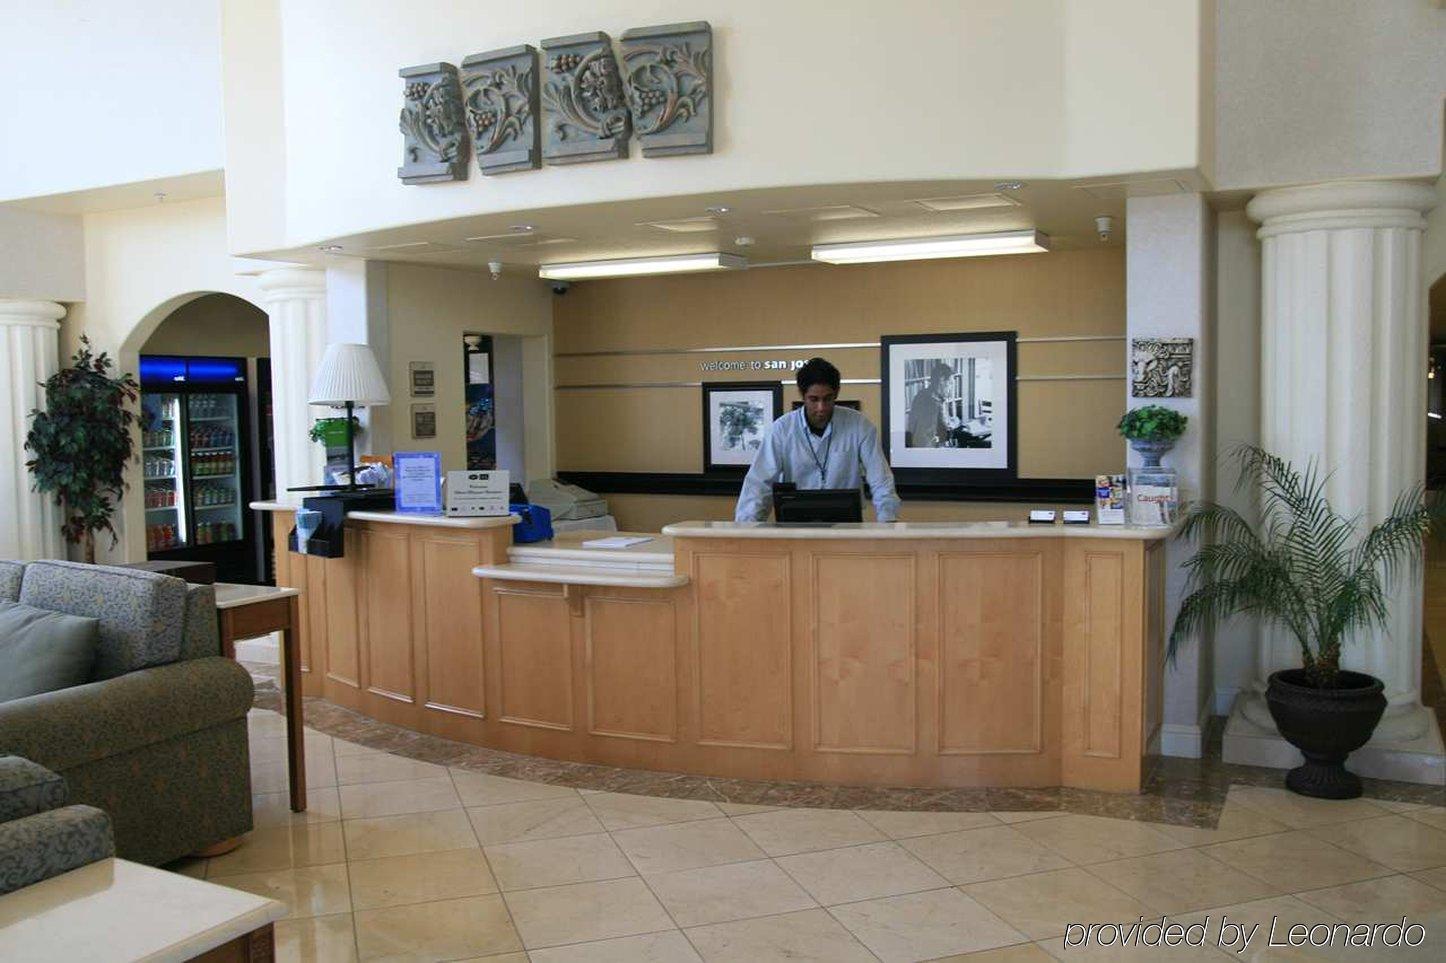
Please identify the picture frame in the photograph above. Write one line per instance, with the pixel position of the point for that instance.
(736, 415)
(949, 406)
(423, 378)
(418, 482)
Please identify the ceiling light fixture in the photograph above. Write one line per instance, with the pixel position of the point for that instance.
(634, 266)
(924, 248)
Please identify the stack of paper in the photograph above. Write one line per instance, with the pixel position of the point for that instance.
(616, 541)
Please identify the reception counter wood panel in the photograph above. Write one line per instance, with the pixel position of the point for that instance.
(923, 655)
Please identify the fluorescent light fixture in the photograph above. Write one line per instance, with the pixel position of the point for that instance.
(923, 248)
(634, 266)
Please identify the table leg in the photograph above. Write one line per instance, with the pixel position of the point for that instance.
(295, 720)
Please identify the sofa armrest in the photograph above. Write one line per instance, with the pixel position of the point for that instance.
(27, 788)
(71, 727)
(50, 843)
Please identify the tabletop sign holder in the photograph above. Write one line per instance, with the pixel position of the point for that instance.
(417, 479)
(477, 494)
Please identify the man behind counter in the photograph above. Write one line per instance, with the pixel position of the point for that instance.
(818, 446)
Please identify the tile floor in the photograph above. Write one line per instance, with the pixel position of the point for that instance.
(402, 859)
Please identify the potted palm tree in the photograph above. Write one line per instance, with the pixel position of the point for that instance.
(1305, 568)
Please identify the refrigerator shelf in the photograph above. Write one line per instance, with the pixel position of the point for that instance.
(227, 448)
(169, 478)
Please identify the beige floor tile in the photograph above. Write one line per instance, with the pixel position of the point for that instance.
(586, 911)
(383, 767)
(1295, 859)
(411, 833)
(272, 809)
(1026, 816)
(1403, 844)
(365, 800)
(790, 831)
(1236, 822)
(1018, 953)
(812, 936)
(624, 811)
(444, 930)
(1094, 839)
(1042, 904)
(1395, 806)
(860, 872)
(553, 862)
(902, 825)
(1435, 817)
(924, 926)
(1093, 952)
(267, 748)
(1182, 881)
(1387, 898)
(1432, 877)
(308, 891)
(672, 947)
(537, 819)
(419, 878)
(272, 775)
(975, 855)
(321, 939)
(284, 847)
(1250, 937)
(1301, 812)
(480, 789)
(743, 809)
(720, 894)
(188, 866)
(706, 842)
(342, 747)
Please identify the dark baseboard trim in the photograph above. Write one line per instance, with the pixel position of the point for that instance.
(1061, 490)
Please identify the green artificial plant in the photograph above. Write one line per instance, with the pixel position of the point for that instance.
(323, 426)
(1303, 566)
(81, 443)
(1152, 423)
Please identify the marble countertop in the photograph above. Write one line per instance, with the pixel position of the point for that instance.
(401, 518)
(231, 595)
(115, 910)
(886, 530)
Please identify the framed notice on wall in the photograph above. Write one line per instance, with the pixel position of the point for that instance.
(424, 379)
(424, 421)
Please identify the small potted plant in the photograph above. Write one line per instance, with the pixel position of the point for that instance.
(1152, 431)
(1305, 569)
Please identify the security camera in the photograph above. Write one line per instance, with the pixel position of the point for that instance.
(559, 287)
(496, 268)
(1104, 226)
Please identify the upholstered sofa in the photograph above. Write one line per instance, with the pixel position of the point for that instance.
(158, 738)
(41, 836)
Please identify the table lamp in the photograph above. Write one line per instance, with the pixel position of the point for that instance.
(349, 377)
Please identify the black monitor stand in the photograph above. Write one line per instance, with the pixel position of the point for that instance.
(795, 506)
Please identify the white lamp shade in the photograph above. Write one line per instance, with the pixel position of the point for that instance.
(349, 372)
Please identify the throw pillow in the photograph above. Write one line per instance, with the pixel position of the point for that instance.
(41, 651)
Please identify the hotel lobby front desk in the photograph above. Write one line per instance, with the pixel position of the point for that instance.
(927, 654)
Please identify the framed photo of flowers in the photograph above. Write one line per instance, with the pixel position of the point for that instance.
(736, 414)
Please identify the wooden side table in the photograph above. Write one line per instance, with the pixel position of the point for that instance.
(246, 611)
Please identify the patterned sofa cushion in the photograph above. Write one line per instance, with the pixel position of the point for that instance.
(27, 788)
(202, 635)
(10, 575)
(141, 613)
(35, 848)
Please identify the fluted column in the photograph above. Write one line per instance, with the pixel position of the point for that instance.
(295, 300)
(1343, 383)
(29, 354)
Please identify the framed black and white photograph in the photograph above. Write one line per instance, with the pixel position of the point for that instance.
(949, 405)
(736, 414)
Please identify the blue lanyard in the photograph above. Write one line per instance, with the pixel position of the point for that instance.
(827, 447)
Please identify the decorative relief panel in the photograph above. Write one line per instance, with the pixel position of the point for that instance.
(500, 90)
(669, 74)
(434, 146)
(1161, 367)
(585, 112)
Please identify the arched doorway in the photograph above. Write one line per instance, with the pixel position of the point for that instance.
(205, 425)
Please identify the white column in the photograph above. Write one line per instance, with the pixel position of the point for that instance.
(295, 301)
(29, 354)
(1343, 383)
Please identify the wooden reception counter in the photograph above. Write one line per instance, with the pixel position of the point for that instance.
(935, 654)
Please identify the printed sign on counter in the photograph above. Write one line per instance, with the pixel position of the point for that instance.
(477, 493)
(418, 481)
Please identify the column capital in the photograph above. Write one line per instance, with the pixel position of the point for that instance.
(1340, 205)
(35, 314)
(292, 282)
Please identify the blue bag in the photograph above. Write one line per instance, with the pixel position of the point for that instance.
(536, 524)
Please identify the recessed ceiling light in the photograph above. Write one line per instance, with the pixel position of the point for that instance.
(924, 248)
(635, 266)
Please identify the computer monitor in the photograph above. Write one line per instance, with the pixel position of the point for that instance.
(795, 506)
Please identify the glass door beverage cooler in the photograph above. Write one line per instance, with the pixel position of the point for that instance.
(195, 433)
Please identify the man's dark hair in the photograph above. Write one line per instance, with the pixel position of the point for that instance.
(817, 371)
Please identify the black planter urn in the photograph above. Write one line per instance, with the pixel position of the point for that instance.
(1326, 725)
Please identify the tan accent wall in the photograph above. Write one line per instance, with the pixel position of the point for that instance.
(1066, 428)
(213, 325)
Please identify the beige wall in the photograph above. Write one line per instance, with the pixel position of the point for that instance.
(1066, 427)
(429, 311)
(214, 324)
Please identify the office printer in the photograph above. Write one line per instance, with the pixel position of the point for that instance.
(566, 502)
